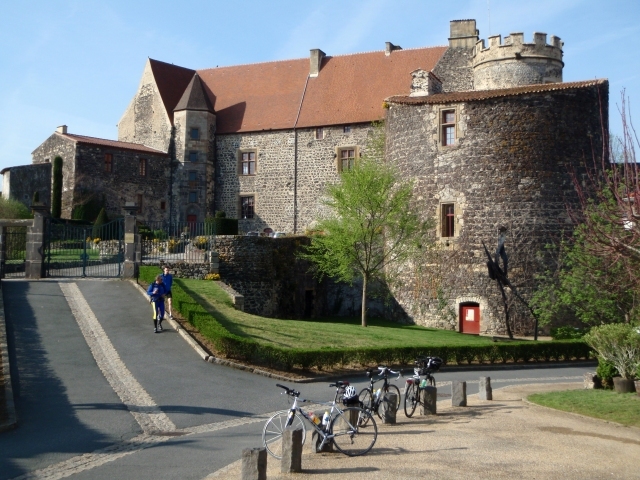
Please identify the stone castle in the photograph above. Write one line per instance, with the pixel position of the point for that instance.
(489, 132)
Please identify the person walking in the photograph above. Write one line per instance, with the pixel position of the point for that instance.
(167, 280)
(156, 292)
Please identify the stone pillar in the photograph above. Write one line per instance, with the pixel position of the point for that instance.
(428, 400)
(389, 406)
(591, 380)
(34, 264)
(291, 461)
(214, 262)
(132, 247)
(484, 389)
(254, 464)
(313, 446)
(458, 394)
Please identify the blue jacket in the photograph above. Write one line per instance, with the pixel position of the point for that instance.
(156, 291)
(167, 281)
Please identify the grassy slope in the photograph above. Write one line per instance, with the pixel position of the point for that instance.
(326, 332)
(603, 404)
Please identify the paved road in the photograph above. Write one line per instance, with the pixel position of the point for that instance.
(99, 395)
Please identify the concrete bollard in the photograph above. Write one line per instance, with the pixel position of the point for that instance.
(291, 461)
(313, 446)
(428, 400)
(389, 404)
(254, 464)
(458, 394)
(484, 389)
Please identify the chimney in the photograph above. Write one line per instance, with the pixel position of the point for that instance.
(463, 34)
(390, 47)
(424, 83)
(316, 61)
(62, 129)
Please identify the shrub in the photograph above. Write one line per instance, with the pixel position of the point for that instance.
(567, 333)
(10, 208)
(606, 371)
(618, 344)
(212, 276)
(100, 221)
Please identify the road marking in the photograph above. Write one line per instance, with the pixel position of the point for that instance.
(145, 411)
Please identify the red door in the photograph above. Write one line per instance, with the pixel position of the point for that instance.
(470, 319)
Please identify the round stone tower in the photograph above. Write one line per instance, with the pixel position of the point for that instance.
(514, 63)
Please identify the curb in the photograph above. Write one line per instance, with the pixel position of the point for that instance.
(12, 422)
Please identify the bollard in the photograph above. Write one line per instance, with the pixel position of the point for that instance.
(313, 446)
(428, 400)
(389, 404)
(484, 389)
(458, 394)
(254, 464)
(291, 461)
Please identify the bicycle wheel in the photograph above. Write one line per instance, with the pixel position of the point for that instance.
(396, 390)
(272, 432)
(355, 431)
(366, 400)
(411, 399)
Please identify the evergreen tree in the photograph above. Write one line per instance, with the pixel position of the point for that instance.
(56, 189)
(100, 221)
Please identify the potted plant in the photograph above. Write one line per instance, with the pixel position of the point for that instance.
(619, 344)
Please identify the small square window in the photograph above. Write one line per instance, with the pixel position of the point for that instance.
(319, 133)
(143, 167)
(448, 220)
(248, 166)
(47, 160)
(194, 133)
(247, 207)
(193, 156)
(448, 127)
(193, 197)
(108, 163)
(347, 159)
(346, 129)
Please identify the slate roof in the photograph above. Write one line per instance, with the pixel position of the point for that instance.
(194, 97)
(269, 96)
(473, 95)
(111, 143)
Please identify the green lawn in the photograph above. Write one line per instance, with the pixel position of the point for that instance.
(623, 408)
(319, 332)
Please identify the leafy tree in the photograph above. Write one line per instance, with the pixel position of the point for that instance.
(13, 209)
(100, 221)
(372, 227)
(56, 189)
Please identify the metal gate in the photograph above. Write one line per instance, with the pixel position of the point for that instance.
(84, 250)
(15, 244)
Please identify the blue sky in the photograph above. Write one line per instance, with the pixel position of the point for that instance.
(78, 62)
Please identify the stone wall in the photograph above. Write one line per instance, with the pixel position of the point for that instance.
(57, 145)
(19, 183)
(510, 167)
(124, 183)
(274, 185)
(455, 70)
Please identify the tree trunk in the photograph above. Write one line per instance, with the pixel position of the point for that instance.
(364, 300)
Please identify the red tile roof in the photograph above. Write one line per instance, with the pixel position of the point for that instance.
(267, 96)
(472, 95)
(172, 81)
(111, 143)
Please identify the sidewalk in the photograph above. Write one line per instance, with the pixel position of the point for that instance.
(503, 439)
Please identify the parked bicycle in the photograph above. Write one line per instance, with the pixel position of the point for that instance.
(371, 398)
(352, 429)
(415, 385)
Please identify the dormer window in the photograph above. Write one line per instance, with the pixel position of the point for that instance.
(194, 133)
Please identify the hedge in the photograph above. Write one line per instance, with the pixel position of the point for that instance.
(244, 349)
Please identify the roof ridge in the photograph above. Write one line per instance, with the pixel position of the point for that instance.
(71, 135)
(326, 56)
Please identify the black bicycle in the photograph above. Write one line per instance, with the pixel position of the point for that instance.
(414, 386)
(371, 398)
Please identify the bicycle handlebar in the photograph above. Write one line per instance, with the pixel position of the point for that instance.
(289, 391)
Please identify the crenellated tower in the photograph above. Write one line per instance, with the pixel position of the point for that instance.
(513, 62)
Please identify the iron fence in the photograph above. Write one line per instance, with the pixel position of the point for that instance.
(15, 244)
(188, 242)
(73, 250)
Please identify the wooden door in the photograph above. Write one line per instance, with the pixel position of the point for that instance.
(470, 319)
